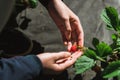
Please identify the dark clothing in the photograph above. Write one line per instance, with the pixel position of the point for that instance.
(27, 67)
(12, 38)
(44, 2)
(20, 68)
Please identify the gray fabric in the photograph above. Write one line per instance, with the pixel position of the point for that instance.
(5, 11)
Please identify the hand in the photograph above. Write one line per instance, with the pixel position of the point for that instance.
(68, 23)
(54, 63)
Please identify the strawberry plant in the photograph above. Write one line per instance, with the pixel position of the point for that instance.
(108, 55)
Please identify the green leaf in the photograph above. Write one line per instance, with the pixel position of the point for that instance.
(118, 77)
(95, 42)
(83, 63)
(33, 3)
(112, 70)
(103, 50)
(110, 16)
(105, 18)
(90, 53)
(118, 41)
(114, 37)
(109, 27)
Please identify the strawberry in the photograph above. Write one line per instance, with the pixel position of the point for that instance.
(73, 48)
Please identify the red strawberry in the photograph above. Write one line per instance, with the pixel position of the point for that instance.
(73, 48)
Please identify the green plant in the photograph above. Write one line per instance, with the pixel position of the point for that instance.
(107, 54)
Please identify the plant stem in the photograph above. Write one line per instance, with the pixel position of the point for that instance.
(99, 58)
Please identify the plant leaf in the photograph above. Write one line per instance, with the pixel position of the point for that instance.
(112, 70)
(106, 19)
(118, 41)
(95, 42)
(114, 37)
(90, 53)
(110, 16)
(109, 27)
(103, 49)
(83, 63)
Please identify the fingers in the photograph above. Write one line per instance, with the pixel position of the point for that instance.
(77, 54)
(64, 65)
(69, 45)
(80, 38)
(68, 30)
(70, 61)
(61, 55)
(65, 29)
(72, 32)
(77, 33)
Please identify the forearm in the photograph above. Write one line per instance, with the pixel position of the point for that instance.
(20, 68)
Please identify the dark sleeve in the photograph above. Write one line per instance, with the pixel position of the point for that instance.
(20, 68)
(45, 2)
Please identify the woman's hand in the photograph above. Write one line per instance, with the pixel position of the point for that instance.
(68, 23)
(54, 63)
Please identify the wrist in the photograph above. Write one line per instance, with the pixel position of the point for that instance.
(53, 2)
